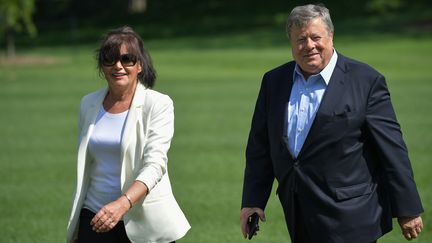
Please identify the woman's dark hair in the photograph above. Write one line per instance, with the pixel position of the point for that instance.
(111, 44)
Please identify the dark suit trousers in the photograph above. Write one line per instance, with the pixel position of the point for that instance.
(300, 232)
(301, 235)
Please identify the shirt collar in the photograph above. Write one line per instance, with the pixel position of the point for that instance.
(326, 73)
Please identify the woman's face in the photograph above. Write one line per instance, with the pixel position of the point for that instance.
(121, 72)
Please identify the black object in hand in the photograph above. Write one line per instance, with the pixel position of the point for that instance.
(253, 225)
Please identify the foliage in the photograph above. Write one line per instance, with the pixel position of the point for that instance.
(16, 15)
(82, 21)
(382, 6)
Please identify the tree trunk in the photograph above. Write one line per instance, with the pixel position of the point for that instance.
(10, 39)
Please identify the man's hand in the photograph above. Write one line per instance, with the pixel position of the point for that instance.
(244, 215)
(411, 226)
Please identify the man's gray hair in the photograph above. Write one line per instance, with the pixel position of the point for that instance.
(301, 15)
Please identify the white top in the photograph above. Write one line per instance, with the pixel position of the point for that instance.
(104, 149)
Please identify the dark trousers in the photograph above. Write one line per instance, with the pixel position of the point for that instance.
(299, 233)
(87, 235)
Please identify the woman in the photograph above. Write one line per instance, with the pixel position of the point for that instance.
(123, 190)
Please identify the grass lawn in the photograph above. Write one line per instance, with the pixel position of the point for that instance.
(214, 90)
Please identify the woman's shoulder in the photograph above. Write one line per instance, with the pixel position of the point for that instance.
(154, 97)
(93, 97)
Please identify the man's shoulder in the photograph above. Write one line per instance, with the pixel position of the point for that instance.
(356, 66)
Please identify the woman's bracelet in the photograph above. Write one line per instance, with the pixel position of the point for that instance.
(129, 200)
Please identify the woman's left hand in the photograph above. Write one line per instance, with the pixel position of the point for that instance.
(108, 217)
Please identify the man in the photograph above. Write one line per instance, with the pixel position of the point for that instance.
(325, 128)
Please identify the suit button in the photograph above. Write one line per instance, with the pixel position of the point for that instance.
(296, 163)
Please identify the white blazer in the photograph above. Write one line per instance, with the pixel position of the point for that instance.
(145, 142)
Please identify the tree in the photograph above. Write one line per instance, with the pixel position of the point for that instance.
(383, 6)
(16, 16)
(137, 6)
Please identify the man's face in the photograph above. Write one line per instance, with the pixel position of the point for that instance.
(312, 46)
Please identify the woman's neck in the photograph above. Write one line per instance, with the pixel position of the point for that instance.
(117, 101)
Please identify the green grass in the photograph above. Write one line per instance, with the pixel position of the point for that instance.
(214, 87)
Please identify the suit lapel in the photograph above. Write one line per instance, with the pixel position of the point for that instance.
(285, 90)
(332, 95)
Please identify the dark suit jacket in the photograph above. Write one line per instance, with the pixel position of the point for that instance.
(353, 173)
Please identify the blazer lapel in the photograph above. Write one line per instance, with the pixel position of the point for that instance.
(90, 114)
(93, 110)
(134, 116)
(89, 119)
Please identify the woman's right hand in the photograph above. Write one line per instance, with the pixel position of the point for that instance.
(110, 215)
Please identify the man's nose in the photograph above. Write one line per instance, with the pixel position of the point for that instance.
(310, 44)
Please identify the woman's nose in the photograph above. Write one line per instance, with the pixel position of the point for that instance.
(118, 65)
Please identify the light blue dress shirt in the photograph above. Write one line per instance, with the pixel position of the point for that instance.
(305, 99)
